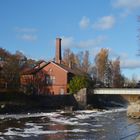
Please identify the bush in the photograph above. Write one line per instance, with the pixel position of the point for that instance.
(77, 83)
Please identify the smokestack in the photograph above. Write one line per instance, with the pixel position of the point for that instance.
(58, 57)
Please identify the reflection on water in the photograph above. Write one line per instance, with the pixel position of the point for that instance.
(80, 125)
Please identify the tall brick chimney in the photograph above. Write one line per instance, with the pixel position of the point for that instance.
(58, 57)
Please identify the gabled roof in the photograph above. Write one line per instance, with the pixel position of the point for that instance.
(74, 71)
(68, 69)
(36, 69)
(65, 68)
(40, 63)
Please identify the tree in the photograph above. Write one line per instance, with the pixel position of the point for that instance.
(4, 54)
(69, 58)
(101, 61)
(11, 72)
(66, 56)
(21, 57)
(86, 63)
(77, 83)
(131, 83)
(118, 79)
(10, 68)
(134, 81)
(93, 72)
(72, 61)
(108, 74)
(78, 61)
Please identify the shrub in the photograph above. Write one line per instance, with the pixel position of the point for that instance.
(77, 83)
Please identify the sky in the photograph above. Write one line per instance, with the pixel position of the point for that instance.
(31, 26)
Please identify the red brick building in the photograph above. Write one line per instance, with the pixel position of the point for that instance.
(49, 78)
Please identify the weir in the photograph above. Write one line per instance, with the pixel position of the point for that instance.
(128, 97)
(131, 95)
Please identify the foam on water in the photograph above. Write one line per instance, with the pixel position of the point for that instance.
(34, 129)
(87, 114)
(62, 120)
(19, 116)
(11, 132)
(57, 114)
(2, 138)
(98, 125)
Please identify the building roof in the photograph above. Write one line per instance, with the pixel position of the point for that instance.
(40, 64)
(75, 71)
(37, 68)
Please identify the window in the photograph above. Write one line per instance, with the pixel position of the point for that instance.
(47, 79)
(53, 79)
(50, 80)
(62, 91)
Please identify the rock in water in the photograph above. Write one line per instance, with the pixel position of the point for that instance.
(133, 110)
(138, 138)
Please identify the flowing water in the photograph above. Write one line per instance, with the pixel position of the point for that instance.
(79, 125)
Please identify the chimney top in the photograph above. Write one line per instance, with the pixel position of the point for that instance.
(58, 38)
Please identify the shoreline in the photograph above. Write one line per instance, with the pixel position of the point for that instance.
(19, 103)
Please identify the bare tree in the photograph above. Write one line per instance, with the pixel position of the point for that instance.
(79, 59)
(93, 72)
(66, 56)
(108, 74)
(69, 58)
(86, 63)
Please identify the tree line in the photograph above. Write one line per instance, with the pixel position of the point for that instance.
(11, 66)
(103, 71)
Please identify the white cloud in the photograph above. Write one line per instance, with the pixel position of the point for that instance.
(125, 13)
(127, 4)
(26, 34)
(69, 42)
(92, 42)
(125, 62)
(28, 37)
(26, 30)
(130, 64)
(104, 23)
(84, 23)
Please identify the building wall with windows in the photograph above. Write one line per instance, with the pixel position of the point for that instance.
(56, 79)
(51, 79)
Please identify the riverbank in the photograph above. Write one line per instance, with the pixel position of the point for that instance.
(18, 102)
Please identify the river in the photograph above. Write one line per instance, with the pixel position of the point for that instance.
(112, 124)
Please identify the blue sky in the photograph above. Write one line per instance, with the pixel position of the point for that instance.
(31, 26)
